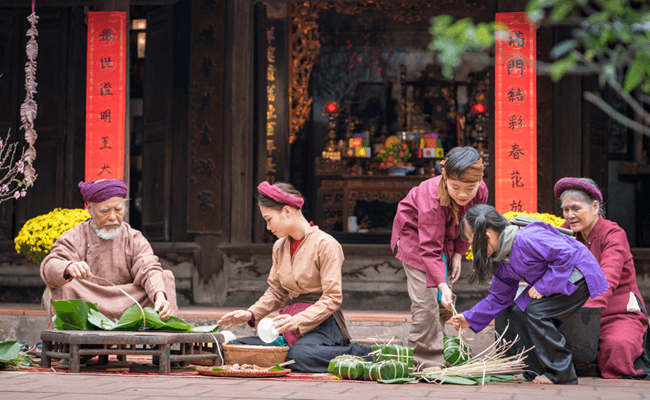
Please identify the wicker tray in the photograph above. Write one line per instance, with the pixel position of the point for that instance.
(242, 374)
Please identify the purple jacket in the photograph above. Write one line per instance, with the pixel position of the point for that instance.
(425, 229)
(544, 258)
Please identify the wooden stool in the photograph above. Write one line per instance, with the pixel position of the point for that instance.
(67, 345)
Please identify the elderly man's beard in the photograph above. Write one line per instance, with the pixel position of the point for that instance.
(104, 233)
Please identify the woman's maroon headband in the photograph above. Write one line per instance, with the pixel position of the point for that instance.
(577, 183)
(280, 195)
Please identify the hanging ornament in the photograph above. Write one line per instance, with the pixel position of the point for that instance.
(29, 108)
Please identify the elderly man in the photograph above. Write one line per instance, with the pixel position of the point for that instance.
(106, 247)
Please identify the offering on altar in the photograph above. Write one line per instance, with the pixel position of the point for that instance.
(394, 153)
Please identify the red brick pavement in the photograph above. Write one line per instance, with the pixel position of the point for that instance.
(20, 385)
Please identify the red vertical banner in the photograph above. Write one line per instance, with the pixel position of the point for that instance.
(105, 95)
(516, 114)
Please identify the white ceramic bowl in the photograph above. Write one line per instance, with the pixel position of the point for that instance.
(266, 330)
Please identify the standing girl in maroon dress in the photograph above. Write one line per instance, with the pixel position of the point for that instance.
(425, 233)
(624, 322)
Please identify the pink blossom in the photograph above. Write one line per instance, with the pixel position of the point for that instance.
(23, 193)
(16, 195)
(358, 59)
(378, 74)
(2, 143)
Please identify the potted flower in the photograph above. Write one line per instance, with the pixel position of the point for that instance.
(37, 236)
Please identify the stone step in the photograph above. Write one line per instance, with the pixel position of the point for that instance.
(25, 321)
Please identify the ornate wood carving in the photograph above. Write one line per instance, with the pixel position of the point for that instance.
(304, 49)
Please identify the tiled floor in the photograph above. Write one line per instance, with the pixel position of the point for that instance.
(19, 385)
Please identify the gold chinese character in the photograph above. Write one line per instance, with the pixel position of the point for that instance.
(270, 93)
(270, 73)
(271, 113)
(270, 165)
(270, 34)
(270, 179)
(270, 128)
(270, 146)
(270, 54)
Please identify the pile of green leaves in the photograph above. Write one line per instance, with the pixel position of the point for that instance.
(10, 354)
(82, 315)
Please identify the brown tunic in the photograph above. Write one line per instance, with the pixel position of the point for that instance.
(315, 268)
(126, 261)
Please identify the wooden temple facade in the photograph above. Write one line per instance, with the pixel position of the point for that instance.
(232, 92)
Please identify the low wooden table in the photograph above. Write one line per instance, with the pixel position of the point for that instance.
(62, 344)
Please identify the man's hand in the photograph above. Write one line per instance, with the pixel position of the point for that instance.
(534, 294)
(77, 270)
(235, 318)
(455, 268)
(459, 321)
(447, 298)
(163, 307)
(285, 323)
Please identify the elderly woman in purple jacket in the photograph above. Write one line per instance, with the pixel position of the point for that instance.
(561, 275)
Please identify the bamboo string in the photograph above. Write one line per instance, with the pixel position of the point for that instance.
(144, 318)
(223, 362)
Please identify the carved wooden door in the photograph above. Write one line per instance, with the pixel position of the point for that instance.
(157, 123)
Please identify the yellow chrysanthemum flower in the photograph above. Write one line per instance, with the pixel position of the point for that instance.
(549, 218)
(37, 236)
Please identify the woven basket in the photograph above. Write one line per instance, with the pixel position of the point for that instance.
(262, 356)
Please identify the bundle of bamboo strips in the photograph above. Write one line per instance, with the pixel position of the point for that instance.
(491, 361)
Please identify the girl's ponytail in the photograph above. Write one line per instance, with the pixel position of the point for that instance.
(477, 220)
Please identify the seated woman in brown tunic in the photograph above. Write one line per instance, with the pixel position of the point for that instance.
(304, 284)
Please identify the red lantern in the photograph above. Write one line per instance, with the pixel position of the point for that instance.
(479, 108)
(331, 107)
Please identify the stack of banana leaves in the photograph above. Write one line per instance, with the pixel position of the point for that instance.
(82, 315)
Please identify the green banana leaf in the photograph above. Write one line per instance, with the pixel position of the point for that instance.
(493, 378)
(81, 315)
(399, 380)
(99, 320)
(73, 314)
(9, 351)
(454, 380)
(205, 329)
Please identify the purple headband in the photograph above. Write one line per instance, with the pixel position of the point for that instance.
(577, 183)
(102, 190)
(280, 195)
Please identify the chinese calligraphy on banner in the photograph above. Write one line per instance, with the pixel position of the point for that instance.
(105, 95)
(271, 113)
(516, 115)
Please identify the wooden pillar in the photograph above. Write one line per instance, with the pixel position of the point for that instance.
(239, 117)
(567, 125)
(272, 101)
(545, 137)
